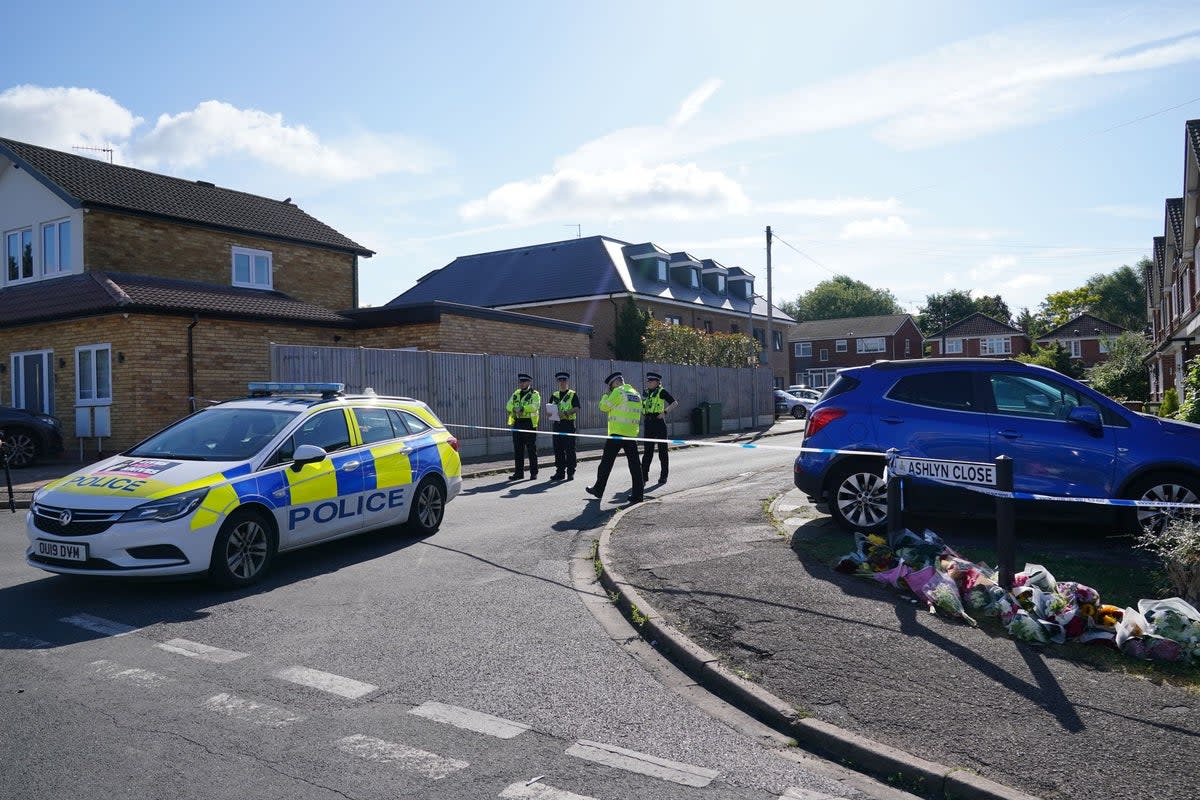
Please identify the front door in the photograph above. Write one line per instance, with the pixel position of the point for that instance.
(33, 381)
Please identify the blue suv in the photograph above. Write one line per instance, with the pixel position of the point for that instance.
(1064, 439)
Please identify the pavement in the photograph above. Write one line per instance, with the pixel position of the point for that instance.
(850, 671)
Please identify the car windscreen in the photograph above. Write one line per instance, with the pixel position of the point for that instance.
(216, 434)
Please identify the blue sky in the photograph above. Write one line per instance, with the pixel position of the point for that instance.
(919, 147)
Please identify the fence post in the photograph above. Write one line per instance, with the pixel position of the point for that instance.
(895, 498)
(1005, 523)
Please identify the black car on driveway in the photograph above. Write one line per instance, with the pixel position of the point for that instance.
(26, 437)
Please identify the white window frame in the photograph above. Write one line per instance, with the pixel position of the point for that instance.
(17, 384)
(1104, 344)
(251, 254)
(61, 228)
(18, 232)
(94, 350)
(673, 320)
(840, 345)
(995, 346)
(802, 349)
(824, 354)
(871, 344)
(954, 346)
(1075, 347)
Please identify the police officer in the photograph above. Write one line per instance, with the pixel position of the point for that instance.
(567, 402)
(624, 409)
(657, 402)
(523, 409)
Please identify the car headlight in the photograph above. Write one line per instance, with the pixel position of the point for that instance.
(168, 508)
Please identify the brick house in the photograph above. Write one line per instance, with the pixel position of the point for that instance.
(818, 349)
(978, 335)
(129, 297)
(1086, 338)
(587, 280)
(1172, 286)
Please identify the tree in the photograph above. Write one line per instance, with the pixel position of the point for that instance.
(629, 331)
(1123, 375)
(680, 344)
(1055, 357)
(943, 310)
(1060, 307)
(1121, 296)
(1031, 323)
(840, 297)
(1189, 410)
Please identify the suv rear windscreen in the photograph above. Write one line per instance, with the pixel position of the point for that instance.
(841, 384)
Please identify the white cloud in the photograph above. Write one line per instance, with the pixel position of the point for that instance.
(215, 129)
(993, 266)
(62, 118)
(695, 101)
(875, 228)
(1127, 212)
(669, 191)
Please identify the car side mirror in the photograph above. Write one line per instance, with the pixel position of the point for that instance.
(307, 454)
(1086, 416)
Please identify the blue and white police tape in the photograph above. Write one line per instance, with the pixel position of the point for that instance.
(680, 442)
(1096, 501)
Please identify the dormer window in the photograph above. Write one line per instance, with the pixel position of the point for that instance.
(252, 268)
(720, 284)
(660, 270)
(693, 279)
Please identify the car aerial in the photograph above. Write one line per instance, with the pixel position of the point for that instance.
(29, 437)
(222, 491)
(1064, 439)
(787, 403)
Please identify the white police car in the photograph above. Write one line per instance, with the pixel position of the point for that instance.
(225, 489)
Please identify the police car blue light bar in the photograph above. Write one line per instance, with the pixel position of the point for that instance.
(275, 387)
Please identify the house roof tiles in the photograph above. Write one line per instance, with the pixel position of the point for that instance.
(1084, 326)
(93, 293)
(978, 324)
(1193, 134)
(1175, 219)
(846, 327)
(83, 181)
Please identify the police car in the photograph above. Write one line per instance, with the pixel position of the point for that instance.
(225, 489)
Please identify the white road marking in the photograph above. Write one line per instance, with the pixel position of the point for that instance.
(470, 720)
(409, 759)
(793, 793)
(326, 682)
(25, 642)
(115, 671)
(202, 651)
(633, 761)
(98, 625)
(539, 791)
(251, 711)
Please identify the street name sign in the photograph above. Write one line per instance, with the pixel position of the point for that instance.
(972, 472)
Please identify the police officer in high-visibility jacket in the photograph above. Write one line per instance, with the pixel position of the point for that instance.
(567, 402)
(623, 406)
(523, 409)
(655, 405)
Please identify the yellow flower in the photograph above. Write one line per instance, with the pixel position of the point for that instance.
(876, 539)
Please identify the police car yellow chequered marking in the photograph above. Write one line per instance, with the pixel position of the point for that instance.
(313, 483)
(451, 463)
(216, 505)
(392, 467)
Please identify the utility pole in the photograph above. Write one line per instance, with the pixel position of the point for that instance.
(769, 343)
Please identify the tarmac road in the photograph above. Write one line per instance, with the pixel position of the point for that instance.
(847, 651)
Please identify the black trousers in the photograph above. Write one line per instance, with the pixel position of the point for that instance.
(564, 447)
(655, 428)
(612, 446)
(525, 443)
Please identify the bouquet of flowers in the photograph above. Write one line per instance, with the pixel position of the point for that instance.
(938, 590)
(919, 551)
(1176, 620)
(1035, 575)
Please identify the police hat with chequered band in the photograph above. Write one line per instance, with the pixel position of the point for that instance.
(562, 376)
(653, 376)
(521, 376)
(612, 377)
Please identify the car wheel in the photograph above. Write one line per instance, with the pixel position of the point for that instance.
(244, 549)
(799, 412)
(858, 497)
(1163, 488)
(428, 506)
(22, 448)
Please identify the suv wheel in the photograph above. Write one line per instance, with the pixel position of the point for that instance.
(428, 507)
(799, 412)
(22, 448)
(858, 497)
(1162, 488)
(243, 551)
